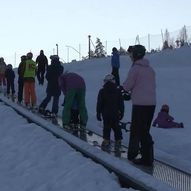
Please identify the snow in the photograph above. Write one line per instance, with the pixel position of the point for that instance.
(33, 159)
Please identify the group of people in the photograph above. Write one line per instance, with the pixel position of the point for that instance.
(140, 82)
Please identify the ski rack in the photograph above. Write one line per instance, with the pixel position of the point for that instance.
(170, 177)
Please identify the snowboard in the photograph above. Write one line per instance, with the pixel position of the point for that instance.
(124, 125)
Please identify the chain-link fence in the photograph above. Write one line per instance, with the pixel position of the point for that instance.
(78, 52)
(150, 41)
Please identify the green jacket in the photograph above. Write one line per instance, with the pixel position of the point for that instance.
(30, 69)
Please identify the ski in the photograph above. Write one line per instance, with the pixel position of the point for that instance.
(110, 148)
(75, 128)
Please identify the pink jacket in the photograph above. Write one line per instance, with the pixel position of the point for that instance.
(141, 82)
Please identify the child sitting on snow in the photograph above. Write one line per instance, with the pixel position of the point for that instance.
(164, 120)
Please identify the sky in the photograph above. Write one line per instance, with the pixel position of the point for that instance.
(34, 25)
(22, 145)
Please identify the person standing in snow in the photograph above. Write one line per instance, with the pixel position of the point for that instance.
(142, 85)
(115, 64)
(29, 73)
(42, 64)
(110, 108)
(74, 89)
(20, 78)
(10, 76)
(53, 89)
(2, 75)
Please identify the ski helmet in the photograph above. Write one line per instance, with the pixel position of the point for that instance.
(109, 78)
(29, 55)
(138, 51)
(54, 57)
(165, 107)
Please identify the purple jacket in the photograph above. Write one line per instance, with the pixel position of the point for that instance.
(69, 81)
(164, 120)
(141, 83)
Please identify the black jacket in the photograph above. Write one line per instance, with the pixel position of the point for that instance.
(110, 102)
(53, 73)
(10, 75)
(42, 62)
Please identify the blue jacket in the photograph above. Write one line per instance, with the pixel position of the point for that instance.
(115, 60)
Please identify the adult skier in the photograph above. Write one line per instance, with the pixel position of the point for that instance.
(53, 89)
(115, 64)
(74, 89)
(141, 83)
(29, 73)
(42, 64)
(21, 78)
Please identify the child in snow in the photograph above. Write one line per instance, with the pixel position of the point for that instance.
(10, 76)
(110, 108)
(164, 120)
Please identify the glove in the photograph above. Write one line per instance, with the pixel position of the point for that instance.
(126, 95)
(98, 116)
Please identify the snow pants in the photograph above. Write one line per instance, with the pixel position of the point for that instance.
(2, 80)
(79, 96)
(40, 76)
(54, 104)
(10, 87)
(29, 93)
(140, 138)
(20, 89)
(115, 72)
(114, 125)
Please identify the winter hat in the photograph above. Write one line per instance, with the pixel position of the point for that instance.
(9, 66)
(54, 57)
(165, 107)
(109, 78)
(2, 59)
(23, 57)
(114, 49)
(138, 51)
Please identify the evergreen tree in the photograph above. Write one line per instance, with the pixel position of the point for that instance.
(99, 49)
(183, 36)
